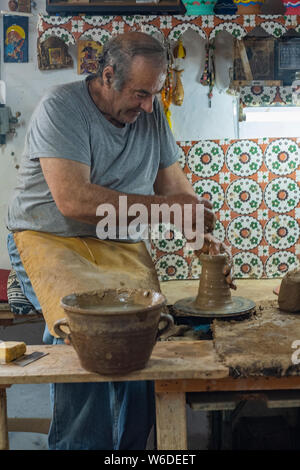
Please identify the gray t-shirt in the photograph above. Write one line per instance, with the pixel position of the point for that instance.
(67, 124)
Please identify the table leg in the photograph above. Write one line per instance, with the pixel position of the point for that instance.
(171, 426)
(4, 445)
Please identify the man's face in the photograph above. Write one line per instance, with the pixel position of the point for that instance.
(144, 82)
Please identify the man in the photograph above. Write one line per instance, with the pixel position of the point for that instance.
(89, 143)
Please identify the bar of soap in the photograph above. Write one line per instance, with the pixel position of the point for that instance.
(11, 350)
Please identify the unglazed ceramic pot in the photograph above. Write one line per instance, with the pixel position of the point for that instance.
(225, 7)
(292, 7)
(249, 7)
(199, 7)
(113, 331)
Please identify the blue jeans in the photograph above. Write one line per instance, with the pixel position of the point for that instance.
(93, 416)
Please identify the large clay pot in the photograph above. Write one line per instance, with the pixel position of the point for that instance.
(113, 331)
(249, 7)
(289, 292)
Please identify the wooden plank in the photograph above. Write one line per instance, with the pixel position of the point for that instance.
(37, 425)
(4, 444)
(263, 83)
(214, 401)
(171, 421)
(169, 360)
(244, 58)
(228, 384)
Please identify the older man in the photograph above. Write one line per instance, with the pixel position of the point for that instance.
(88, 143)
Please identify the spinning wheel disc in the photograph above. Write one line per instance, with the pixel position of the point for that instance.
(238, 306)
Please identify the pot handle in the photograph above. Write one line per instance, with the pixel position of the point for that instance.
(57, 328)
(170, 322)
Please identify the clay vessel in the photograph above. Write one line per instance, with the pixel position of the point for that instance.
(213, 291)
(289, 292)
(249, 7)
(113, 331)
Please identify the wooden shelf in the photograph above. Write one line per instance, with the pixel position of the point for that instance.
(115, 7)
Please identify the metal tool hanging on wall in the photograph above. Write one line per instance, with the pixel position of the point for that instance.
(208, 76)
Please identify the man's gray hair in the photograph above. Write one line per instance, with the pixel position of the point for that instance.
(120, 51)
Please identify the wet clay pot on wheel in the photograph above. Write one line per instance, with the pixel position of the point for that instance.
(113, 331)
(214, 298)
(289, 292)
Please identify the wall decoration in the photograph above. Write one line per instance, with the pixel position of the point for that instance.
(15, 31)
(167, 91)
(21, 6)
(199, 7)
(249, 7)
(88, 53)
(208, 75)
(287, 59)
(179, 54)
(254, 186)
(100, 28)
(258, 59)
(292, 7)
(53, 54)
(259, 95)
(225, 7)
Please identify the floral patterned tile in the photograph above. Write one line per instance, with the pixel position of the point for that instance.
(253, 185)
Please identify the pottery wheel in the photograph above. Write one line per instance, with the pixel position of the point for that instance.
(238, 306)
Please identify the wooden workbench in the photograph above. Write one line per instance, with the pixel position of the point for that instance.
(176, 367)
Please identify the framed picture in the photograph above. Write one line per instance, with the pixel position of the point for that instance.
(15, 32)
(287, 59)
(88, 53)
(254, 59)
(21, 6)
(53, 54)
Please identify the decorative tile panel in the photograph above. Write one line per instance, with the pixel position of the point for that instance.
(101, 28)
(253, 185)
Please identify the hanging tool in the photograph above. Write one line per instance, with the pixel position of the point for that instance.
(208, 76)
(179, 54)
(167, 92)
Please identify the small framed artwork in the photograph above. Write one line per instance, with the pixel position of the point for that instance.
(88, 53)
(21, 6)
(287, 61)
(15, 31)
(53, 54)
(254, 59)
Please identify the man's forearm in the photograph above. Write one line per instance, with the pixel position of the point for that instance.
(83, 205)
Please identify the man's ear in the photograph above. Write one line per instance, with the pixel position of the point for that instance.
(107, 75)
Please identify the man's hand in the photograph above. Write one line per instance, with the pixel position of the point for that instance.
(193, 200)
(213, 246)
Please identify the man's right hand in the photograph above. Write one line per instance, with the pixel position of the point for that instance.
(186, 198)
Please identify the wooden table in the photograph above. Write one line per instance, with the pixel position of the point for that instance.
(169, 361)
(177, 367)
